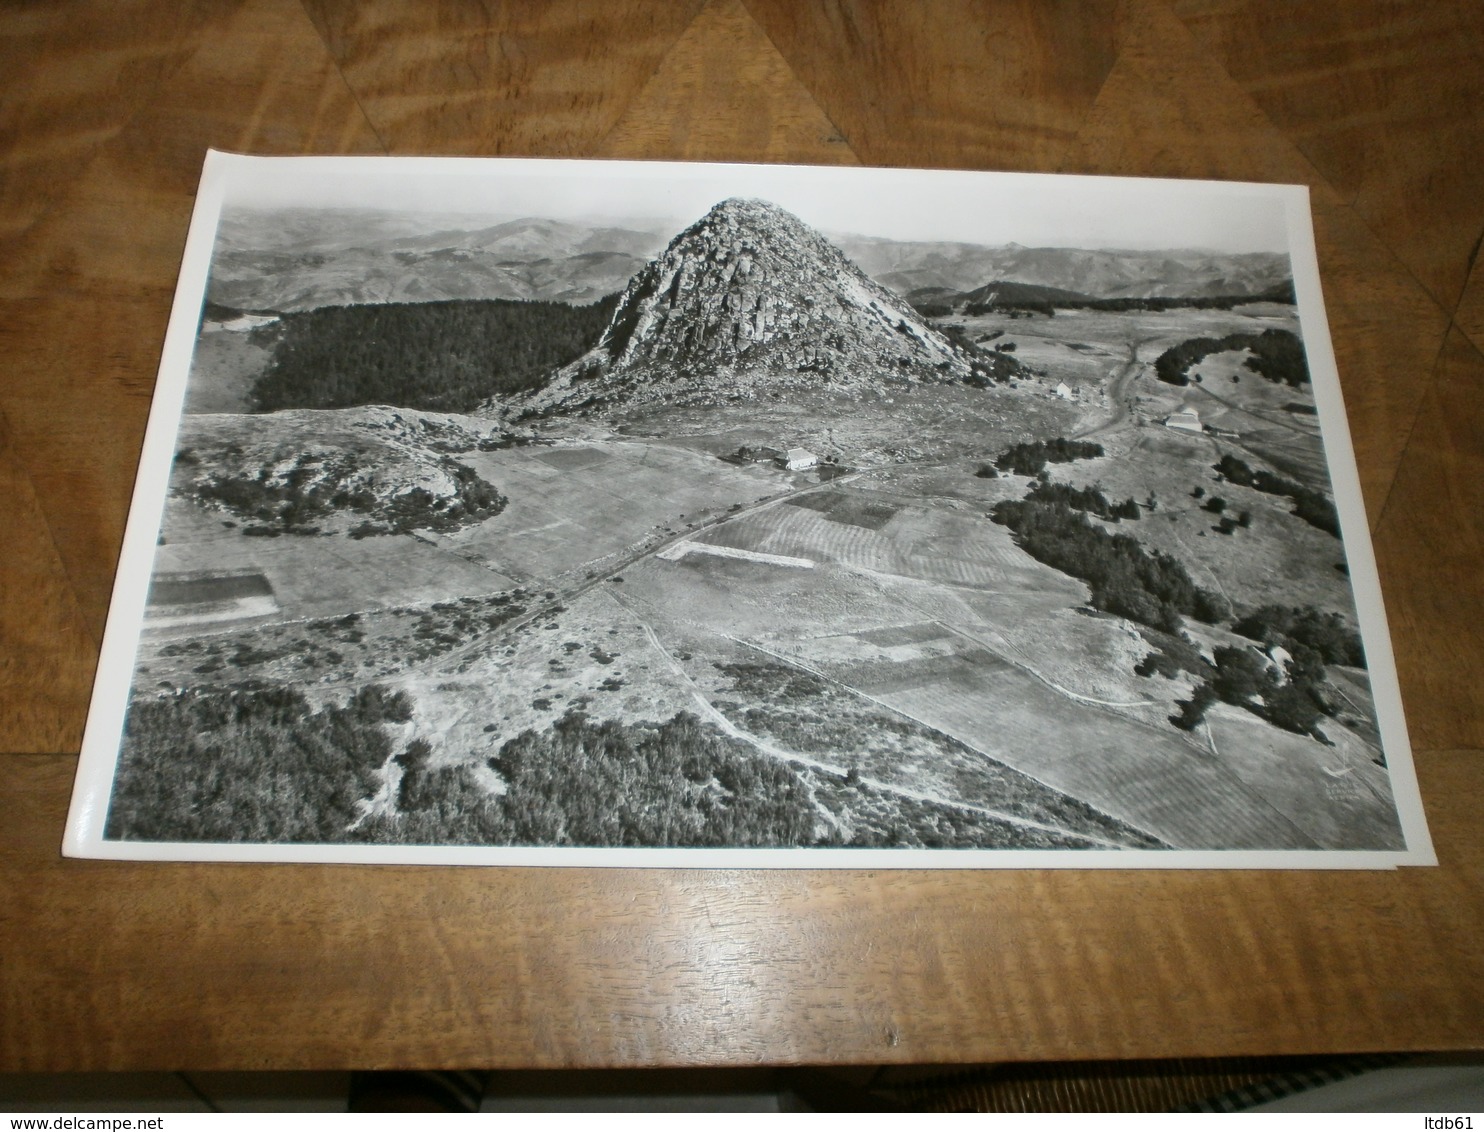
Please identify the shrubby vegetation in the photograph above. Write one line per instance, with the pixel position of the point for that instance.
(317, 487)
(262, 765)
(1292, 698)
(1313, 507)
(1291, 695)
(885, 819)
(1028, 459)
(804, 713)
(446, 356)
(775, 683)
(313, 488)
(1125, 579)
(342, 647)
(1327, 634)
(250, 765)
(987, 366)
(1276, 354)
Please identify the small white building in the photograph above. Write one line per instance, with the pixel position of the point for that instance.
(1064, 391)
(800, 459)
(1186, 419)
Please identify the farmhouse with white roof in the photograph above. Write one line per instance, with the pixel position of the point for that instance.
(1186, 419)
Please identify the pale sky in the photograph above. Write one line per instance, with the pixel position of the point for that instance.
(970, 207)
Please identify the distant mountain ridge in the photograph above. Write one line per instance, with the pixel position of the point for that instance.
(300, 259)
(908, 267)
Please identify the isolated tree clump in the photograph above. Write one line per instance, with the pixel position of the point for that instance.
(474, 499)
(1028, 459)
(1171, 655)
(1193, 710)
(1292, 698)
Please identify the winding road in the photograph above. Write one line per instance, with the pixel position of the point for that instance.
(1118, 391)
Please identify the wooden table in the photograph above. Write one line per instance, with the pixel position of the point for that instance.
(105, 111)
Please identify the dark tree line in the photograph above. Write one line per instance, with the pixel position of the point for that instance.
(445, 356)
(1313, 507)
(1125, 579)
(1028, 459)
(679, 783)
(1277, 355)
(1019, 297)
(1282, 293)
(1087, 499)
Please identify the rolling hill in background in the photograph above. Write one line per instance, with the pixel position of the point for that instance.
(299, 259)
(1098, 273)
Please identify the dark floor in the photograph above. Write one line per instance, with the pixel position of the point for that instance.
(1438, 1083)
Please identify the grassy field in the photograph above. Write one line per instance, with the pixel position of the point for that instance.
(1291, 773)
(1139, 774)
(914, 542)
(572, 508)
(326, 577)
(224, 367)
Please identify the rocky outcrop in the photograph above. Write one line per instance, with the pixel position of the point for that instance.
(750, 298)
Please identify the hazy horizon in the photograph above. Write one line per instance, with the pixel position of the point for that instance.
(916, 206)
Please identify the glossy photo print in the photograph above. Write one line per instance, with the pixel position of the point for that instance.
(543, 512)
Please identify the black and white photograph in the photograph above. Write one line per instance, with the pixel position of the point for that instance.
(546, 512)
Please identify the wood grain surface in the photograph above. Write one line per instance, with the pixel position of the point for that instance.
(105, 112)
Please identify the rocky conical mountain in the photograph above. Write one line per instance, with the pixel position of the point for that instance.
(746, 300)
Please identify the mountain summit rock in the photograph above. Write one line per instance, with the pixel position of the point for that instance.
(749, 298)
